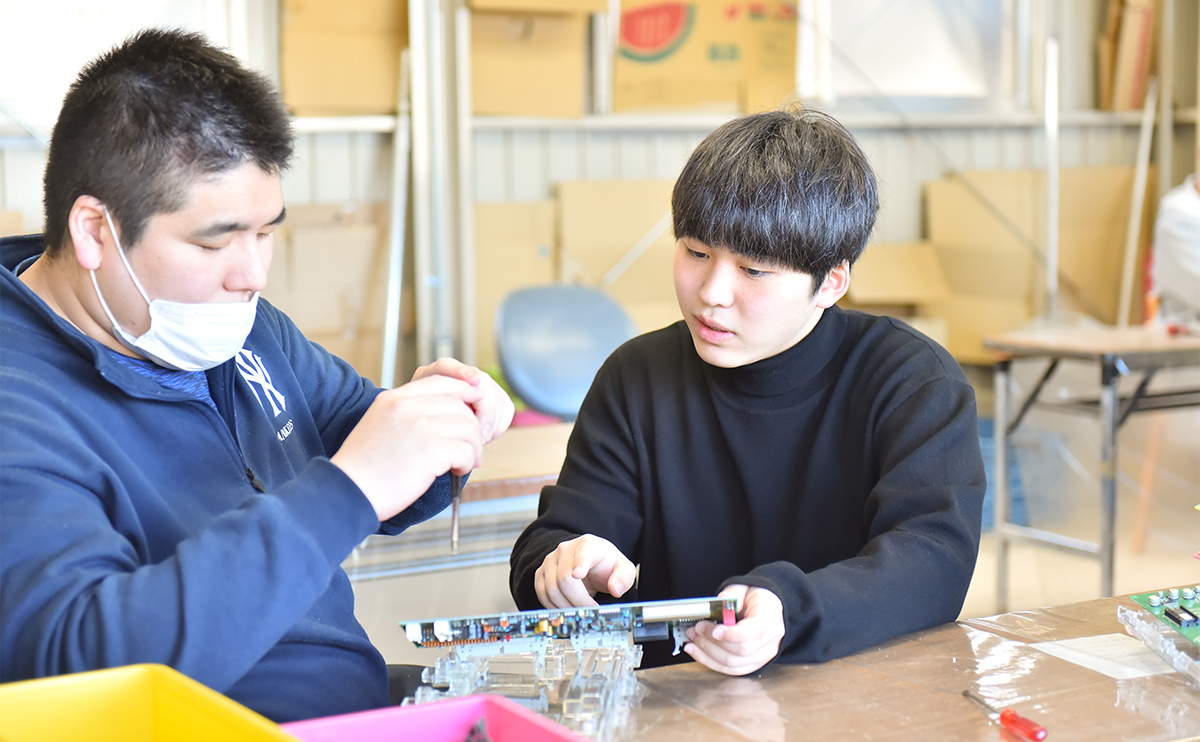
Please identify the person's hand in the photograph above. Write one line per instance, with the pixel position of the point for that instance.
(578, 569)
(494, 409)
(747, 645)
(410, 436)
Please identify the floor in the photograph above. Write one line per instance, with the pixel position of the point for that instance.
(1059, 462)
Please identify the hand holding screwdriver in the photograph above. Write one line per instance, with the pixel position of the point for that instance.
(1011, 720)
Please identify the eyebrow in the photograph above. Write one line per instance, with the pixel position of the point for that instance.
(221, 228)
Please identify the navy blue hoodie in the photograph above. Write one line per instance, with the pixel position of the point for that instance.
(138, 524)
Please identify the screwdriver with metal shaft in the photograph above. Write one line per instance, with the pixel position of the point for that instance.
(1011, 720)
(455, 499)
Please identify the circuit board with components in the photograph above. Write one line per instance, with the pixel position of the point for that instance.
(1177, 607)
(574, 666)
(644, 621)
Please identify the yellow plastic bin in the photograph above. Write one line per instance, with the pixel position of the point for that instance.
(138, 703)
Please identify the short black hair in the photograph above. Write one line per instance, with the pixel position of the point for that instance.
(146, 120)
(788, 188)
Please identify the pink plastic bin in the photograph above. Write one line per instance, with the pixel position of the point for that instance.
(442, 721)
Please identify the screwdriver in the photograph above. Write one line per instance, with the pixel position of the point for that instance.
(455, 499)
(1011, 720)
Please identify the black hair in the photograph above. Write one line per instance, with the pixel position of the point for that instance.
(789, 188)
(146, 120)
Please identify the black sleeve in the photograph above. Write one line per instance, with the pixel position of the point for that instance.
(596, 493)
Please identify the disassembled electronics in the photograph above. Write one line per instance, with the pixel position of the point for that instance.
(574, 666)
(644, 621)
(1176, 608)
(1167, 623)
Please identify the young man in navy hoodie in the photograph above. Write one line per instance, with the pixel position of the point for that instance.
(182, 473)
(820, 465)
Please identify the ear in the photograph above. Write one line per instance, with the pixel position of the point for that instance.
(834, 287)
(88, 229)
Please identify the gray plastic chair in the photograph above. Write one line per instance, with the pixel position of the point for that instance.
(551, 340)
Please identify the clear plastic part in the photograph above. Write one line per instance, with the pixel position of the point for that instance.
(1164, 641)
(586, 683)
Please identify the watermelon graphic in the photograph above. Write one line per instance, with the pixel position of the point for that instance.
(653, 32)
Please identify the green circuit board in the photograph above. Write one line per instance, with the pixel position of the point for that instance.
(1178, 608)
(649, 620)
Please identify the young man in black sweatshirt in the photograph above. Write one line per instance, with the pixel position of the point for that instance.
(820, 465)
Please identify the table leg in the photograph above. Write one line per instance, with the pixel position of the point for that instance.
(1109, 410)
(1003, 374)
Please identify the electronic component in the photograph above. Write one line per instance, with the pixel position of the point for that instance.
(1180, 615)
(1175, 607)
(574, 666)
(647, 621)
(1166, 622)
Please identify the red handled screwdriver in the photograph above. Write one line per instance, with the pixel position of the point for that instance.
(1011, 720)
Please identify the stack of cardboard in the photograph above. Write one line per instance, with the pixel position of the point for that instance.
(1126, 54)
(726, 55)
(339, 58)
(329, 274)
(981, 271)
(577, 238)
(900, 280)
(11, 222)
(602, 221)
(529, 57)
(514, 248)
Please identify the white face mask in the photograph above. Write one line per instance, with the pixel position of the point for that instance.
(184, 336)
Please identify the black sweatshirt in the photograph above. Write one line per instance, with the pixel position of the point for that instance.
(843, 474)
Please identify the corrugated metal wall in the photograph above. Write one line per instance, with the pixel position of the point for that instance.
(524, 164)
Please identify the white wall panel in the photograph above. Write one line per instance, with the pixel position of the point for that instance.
(566, 156)
(372, 177)
(600, 154)
(332, 168)
(634, 157)
(298, 180)
(953, 148)
(488, 163)
(669, 151)
(1015, 148)
(985, 150)
(21, 169)
(527, 165)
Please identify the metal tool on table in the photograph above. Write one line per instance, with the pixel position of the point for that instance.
(1010, 720)
(455, 499)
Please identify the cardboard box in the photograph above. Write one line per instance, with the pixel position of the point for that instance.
(954, 295)
(992, 209)
(981, 270)
(329, 275)
(897, 280)
(137, 702)
(991, 290)
(541, 6)
(600, 222)
(1133, 55)
(529, 64)
(341, 58)
(705, 55)
(11, 222)
(514, 247)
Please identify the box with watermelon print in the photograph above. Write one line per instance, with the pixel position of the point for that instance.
(705, 55)
(529, 57)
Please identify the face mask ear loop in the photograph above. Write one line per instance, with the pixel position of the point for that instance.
(104, 305)
(121, 252)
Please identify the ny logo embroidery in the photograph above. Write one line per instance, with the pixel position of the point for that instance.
(258, 378)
